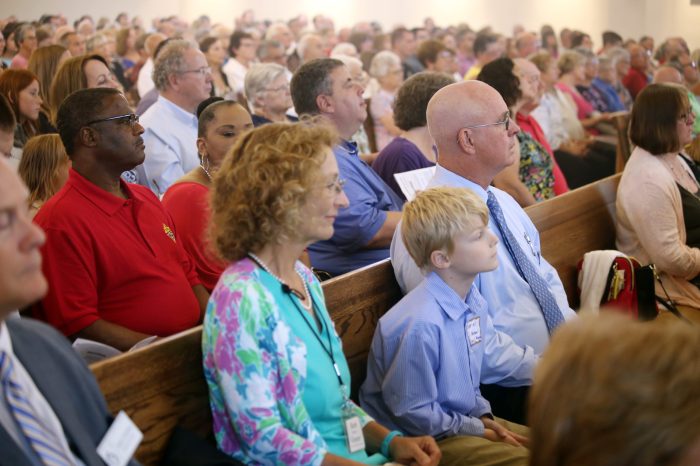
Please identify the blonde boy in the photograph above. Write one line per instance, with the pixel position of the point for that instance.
(427, 353)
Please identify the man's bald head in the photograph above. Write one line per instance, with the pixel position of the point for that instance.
(668, 75)
(458, 105)
(472, 130)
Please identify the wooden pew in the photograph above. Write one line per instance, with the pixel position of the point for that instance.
(579, 221)
(162, 385)
(621, 122)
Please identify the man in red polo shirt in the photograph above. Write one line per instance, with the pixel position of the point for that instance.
(115, 269)
(637, 78)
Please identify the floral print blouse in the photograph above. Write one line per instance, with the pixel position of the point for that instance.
(536, 170)
(256, 366)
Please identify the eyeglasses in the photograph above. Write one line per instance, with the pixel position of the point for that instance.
(336, 185)
(131, 117)
(688, 117)
(277, 89)
(204, 71)
(505, 121)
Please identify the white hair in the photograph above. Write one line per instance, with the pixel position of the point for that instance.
(382, 63)
(344, 48)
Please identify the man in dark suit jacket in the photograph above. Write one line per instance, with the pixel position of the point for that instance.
(60, 376)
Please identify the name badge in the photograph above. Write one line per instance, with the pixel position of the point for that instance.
(353, 434)
(120, 442)
(474, 331)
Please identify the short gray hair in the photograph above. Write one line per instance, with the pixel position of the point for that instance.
(304, 43)
(259, 77)
(616, 54)
(382, 63)
(344, 48)
(170, 61)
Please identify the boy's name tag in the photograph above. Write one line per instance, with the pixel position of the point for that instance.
(353, 433)
(120, 442)
(474, 331)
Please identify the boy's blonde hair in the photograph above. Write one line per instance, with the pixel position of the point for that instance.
(435, 216)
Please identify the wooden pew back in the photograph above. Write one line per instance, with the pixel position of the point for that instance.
(572, 224)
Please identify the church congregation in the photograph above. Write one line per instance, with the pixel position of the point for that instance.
(157, 178)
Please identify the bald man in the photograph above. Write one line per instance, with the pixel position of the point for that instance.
(474, 135)
(637, 78)
(668, 74)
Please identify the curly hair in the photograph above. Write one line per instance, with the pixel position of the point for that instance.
(500, 75)
(258, 193)
(413, 97)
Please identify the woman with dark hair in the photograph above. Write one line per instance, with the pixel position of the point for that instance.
(658, 208)
(413, 148)
(22, 91)
(549, 41)
(221, 122)
(215, 54)
(278, 380)
(533, 178)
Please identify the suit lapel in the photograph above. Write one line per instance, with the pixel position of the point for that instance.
(12, 454)
(58, 394)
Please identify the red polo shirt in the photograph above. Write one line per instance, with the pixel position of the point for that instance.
(114, 259)
(635, 81)
(528, 124)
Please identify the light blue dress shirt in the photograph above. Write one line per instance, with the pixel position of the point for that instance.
(171, 146)
(426, 359)
(370, 199)
(512, 305)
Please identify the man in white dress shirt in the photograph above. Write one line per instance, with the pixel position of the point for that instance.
(183, 79)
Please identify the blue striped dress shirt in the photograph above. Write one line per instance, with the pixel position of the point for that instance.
(424, 368)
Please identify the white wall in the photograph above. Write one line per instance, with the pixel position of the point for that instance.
(631, 18)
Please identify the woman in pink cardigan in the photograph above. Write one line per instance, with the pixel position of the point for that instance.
(658, 208)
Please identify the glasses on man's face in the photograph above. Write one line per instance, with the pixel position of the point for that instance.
(131, 118)
(505, 121)
(277, 89)
(204, 71)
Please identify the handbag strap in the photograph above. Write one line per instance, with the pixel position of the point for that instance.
(668, 302)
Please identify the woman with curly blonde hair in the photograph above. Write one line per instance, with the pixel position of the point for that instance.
(278, 380)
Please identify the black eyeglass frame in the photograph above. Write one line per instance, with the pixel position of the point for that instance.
(133, 119)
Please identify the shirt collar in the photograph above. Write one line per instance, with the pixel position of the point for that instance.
(178, 112)
(448, 299)
(5, 341)
(105, 201)
(444, 177)
(348, 147)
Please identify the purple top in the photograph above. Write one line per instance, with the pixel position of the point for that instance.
(399, 156)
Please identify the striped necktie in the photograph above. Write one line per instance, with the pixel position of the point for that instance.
(553, 316)
(40, 437)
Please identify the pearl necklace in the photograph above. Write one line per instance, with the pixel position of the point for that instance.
(304, 299)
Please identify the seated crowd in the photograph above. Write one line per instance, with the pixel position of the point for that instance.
(153, 179)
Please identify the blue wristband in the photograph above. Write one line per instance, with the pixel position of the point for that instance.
(384, 448)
